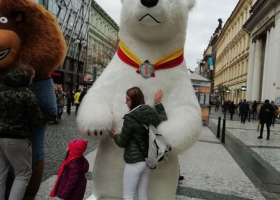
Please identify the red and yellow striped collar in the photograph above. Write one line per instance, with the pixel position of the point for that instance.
(146, 69)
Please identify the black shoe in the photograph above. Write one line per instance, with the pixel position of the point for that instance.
(260, 137)
(181, 178)
(267, 138)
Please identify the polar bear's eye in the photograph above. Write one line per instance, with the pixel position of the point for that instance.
(3, 20)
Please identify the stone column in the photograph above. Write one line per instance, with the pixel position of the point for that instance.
(257, 78)
(250, 71)
(266, 67)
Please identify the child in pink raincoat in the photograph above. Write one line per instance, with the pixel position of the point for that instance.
(71, 181)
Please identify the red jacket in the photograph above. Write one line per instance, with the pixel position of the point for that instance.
(71, 181)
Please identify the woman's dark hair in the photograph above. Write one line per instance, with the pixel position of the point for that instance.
(136, 96)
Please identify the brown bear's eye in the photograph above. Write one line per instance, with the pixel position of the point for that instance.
(3, 20)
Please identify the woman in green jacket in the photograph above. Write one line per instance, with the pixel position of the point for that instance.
(135, 139)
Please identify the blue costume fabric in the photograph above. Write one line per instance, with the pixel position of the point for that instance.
(44, 91)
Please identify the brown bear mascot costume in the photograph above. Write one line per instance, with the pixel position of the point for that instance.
(30, 35)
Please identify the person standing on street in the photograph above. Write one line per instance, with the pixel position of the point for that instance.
(19, 111)
(71, 180)
(265, 117)
(217, 106)
(135, 139)
(254, 110)
(244, 109)
(231, 108)
(60, 96)
(84, 92)
(76, 100)
(275, 109)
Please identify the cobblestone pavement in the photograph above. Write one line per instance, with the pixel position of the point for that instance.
(210, 169)
(56, 141)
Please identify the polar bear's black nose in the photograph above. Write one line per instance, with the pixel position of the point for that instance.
(149, 3)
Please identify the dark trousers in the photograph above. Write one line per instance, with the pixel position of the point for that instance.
(267, 127)
(217, 108)
(273, 120)
(243, 117)
(231, 115)
(77, 108)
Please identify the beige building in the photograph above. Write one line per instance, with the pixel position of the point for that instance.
(102, 41)
(232, 58)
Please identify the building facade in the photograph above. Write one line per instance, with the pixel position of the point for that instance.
(73, 19)
(207, 64)
(232, 59)
(264, 60)
(103, 41)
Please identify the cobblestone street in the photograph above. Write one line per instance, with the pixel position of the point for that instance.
(211, 170)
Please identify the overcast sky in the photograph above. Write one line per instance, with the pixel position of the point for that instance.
(203, 21)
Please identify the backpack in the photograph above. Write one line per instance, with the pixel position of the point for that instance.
(158, 147)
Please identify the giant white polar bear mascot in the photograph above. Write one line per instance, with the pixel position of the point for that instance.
(152, 30)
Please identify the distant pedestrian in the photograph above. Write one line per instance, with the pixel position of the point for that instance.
(69, 102)
(244, 109)
(19, 111)
(231, 108)
(217, 105)
(83, 94)
(76, 100)
(60, 98)
(275, 110)
(71, 181)
(254, 110)
(265, 117)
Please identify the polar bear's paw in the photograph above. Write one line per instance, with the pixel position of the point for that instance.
(94, 121)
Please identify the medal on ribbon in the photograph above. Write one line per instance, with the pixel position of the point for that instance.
(146, 70)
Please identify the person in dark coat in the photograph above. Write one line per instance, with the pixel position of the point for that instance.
(254, 109)
(134, 138)
(83, 93)
(244, 109)
(231, 108)
(265, 117)
(19, 112)
(71, 181)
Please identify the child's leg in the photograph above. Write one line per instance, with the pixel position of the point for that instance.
(18, 152)
(4, 169)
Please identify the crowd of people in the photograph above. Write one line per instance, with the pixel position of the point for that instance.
(267, 114)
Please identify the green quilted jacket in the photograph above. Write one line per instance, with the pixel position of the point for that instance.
(134, 132)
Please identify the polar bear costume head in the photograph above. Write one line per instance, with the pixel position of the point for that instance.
(155, 20)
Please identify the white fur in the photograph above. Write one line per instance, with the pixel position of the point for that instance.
(104, 105)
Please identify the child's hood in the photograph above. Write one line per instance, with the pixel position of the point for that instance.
(76, 148)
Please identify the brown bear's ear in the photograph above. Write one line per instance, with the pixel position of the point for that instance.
(19, 16)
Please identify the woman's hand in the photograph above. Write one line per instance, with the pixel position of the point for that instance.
(158, 96)
(113, 134)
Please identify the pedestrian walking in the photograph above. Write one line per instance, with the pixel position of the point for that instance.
(71, 181)
(231, 108)
(60, 97)
(19, 111)
(217, 105)
(69, 98)
(244, 109)
(254, 110)
(275, 111)
(84, 92)
(265, 117)
(135, 139)
(76, 100)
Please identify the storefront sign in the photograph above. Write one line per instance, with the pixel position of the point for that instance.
(205, 89)
(211, 64)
